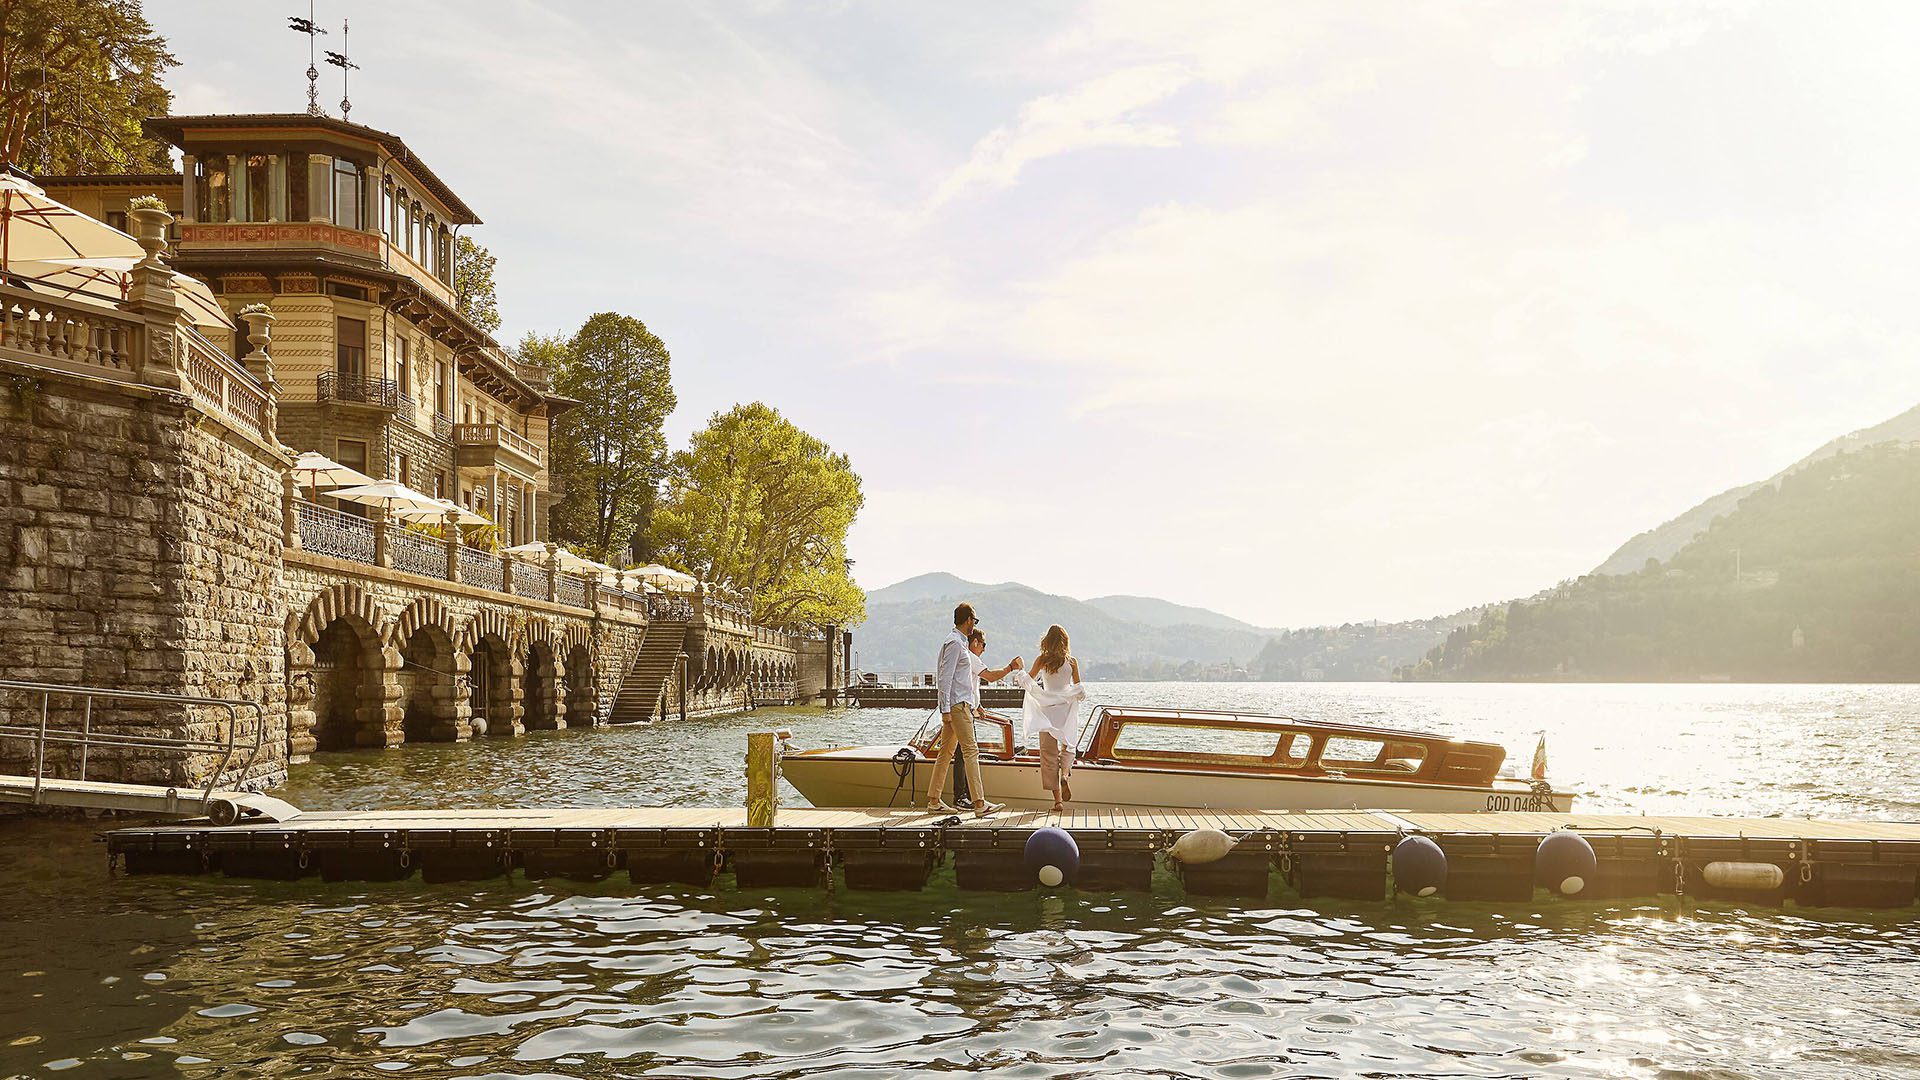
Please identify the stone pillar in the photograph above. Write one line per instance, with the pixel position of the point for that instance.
(506, 572)
(260, 364)
(150, 296)
(290, 511)
(452, 530)
(382, 552)
(531, 512)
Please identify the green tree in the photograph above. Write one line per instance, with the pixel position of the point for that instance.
(473, 284)
(758, 505)
(76, 79)
(609, 452)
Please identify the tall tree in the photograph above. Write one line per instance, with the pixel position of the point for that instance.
(473, 283)
(609, 451)
(76, 79)
(758, 505)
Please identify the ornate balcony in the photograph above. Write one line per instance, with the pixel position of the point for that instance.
(352, 389)
(492, 444)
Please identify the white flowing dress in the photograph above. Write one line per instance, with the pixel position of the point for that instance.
(1052, 704)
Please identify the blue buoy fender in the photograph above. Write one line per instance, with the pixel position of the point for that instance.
(1052, 856)
(1419, 866)
(1565, 863)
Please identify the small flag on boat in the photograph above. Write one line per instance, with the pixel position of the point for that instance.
(1540, 759)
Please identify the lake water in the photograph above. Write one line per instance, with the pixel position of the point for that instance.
(134, 977)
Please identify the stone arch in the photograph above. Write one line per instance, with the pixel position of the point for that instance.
(488, 621)
(424, 611)
(495, 672)
(582, 696)
(432, 677)
(342, 689)
(540, 702)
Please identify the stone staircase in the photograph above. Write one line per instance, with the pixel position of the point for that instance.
(639, 697)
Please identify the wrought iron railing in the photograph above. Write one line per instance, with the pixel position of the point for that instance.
(443, 427)
(343, 536)
(572, 590)
(481, 569)
(530, 581)
(357, 388)
(417, 554)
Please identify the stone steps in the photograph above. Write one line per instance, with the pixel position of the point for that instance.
(639, 695)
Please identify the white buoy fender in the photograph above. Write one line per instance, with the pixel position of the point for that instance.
(1419, 866)
(479, 725)
(1744, 876)
(1052, 856)
(1202, 846)
(1565, 863)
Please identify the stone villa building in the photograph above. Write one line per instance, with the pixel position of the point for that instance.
(350, 237)
(153, 537)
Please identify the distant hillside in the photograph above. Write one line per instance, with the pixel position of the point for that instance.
(1660, 543)
(905, 623)
(1815, 576)
(1131, 637)
(1148, 611)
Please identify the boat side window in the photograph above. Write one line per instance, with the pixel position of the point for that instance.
(1295, 748)
(1373, 756)
(1195, 744)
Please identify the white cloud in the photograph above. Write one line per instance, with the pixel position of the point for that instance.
(1104, 111)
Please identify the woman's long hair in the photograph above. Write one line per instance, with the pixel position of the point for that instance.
(1053, 648)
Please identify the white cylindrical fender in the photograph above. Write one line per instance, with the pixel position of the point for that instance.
(1202, 846)
(1744, 876)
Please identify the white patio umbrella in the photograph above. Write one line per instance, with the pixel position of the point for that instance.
(668, 576)
(535, 551)
(106, 281)
(320, 469)
(390, 494)
(34, 228)
(437, 513)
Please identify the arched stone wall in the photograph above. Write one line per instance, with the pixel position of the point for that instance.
(342, 685)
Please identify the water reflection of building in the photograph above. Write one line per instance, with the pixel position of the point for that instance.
(351, 238)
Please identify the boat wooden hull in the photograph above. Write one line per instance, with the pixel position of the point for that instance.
(868, 776)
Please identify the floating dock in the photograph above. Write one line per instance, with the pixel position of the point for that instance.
(1488, 856)
(926, 697)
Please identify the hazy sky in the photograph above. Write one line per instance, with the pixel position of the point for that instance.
(1302, 312)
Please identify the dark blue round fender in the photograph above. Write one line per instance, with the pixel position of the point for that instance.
(1565, 863)
(1052, 856)
(1419, 866)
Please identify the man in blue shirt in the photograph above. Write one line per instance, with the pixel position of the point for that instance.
(957, 698)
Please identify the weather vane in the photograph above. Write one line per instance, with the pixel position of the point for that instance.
(308, 27)
(339, 60)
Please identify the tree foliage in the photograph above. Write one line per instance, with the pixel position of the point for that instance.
(759, 506)
(609, 451)
(76, 79)
(473, 284)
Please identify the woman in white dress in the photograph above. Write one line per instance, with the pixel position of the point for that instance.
(1054, 711)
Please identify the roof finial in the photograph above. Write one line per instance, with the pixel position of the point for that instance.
(339, 60)
(308, 27)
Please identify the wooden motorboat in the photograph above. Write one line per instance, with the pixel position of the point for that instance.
(1140, 758)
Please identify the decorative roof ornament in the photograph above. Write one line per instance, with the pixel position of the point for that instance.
(308, 27)
(339, 60)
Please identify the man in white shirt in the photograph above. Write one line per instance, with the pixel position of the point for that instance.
(957, 698)
(977, 660)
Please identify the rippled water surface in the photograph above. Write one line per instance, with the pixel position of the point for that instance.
(118, 977)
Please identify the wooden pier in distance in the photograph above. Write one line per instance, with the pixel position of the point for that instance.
(1490, 856)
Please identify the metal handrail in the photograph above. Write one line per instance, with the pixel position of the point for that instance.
(40, 736)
